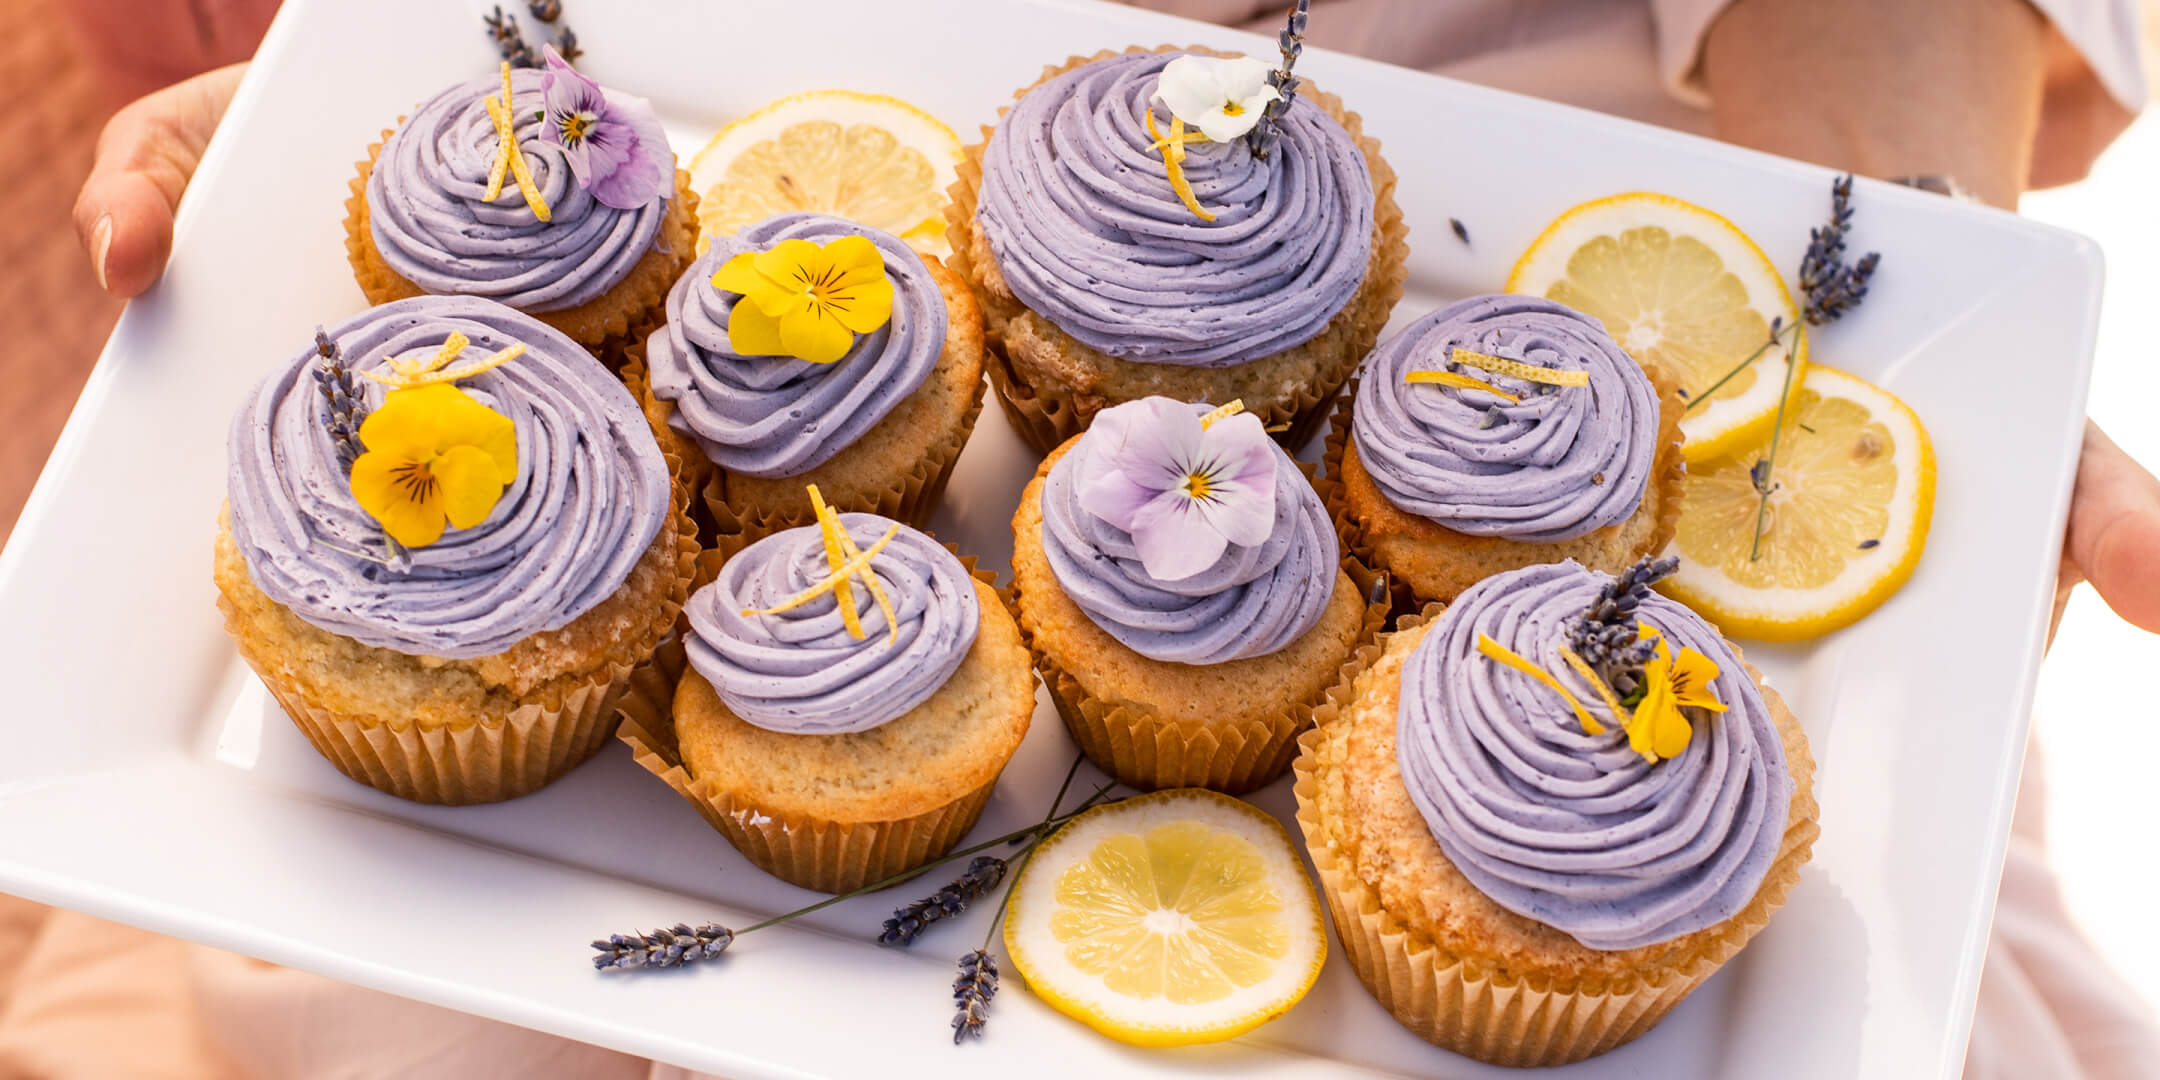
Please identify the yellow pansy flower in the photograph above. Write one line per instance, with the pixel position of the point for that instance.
(1658, 728)
(434, 455)
(806, 300)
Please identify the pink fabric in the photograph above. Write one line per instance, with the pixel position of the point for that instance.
(2049, 1008)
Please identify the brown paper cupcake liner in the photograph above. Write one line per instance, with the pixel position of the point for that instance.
(910, 498)
(1147, 751)
(1045, 416)
(1671, 480)
(813, 853)
(494, 757)
(1472, 1006)
(603, 325)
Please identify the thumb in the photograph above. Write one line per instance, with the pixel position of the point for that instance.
(145, 156)
(2114, 534)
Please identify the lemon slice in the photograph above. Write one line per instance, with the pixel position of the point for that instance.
(1679, 286)
(1173, 918)
(1847, 519)
(865, 157)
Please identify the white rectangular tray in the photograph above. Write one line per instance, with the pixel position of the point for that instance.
(147, 778)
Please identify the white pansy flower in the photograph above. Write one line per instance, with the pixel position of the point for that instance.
(1223, 97)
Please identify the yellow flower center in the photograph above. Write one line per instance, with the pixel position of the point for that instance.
(1197, 485)
(574, 127)
(1232, 108)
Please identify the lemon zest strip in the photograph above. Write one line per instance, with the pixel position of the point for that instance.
(847, 560)
(1500, 654)
(406, 374)
(1236, 406)
(1460, 382)
(1582, 667)
(1173, 156)
(869, 573)
(508, 155)
(1516, 369)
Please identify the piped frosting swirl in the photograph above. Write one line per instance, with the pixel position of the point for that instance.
(1561, 462)
(1088, 232)
(591, 494)
(800, 671)
(1578, 831)
(1253, 601)
(431, 226)
(775, 416)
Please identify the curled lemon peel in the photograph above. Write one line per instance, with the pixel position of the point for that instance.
(1236, 406)
(1516, 369)
(1582, 667)
(407, 374)
(847, 560)
(1500, 654)
(508, 156)
(1459, 382)
(1173, 156)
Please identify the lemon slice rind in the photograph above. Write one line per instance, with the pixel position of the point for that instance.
(1042, 958)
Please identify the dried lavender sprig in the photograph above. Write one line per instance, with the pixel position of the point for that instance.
(546, 11)
(1291, 42)
(1605, 634)
(335, 381)
(673, 947)
(566, 45)
(972, 991)
(509, 40)
(981, 876)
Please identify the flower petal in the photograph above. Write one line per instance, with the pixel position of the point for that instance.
(399, 432)
(643, 168)
(1242, 78)
(740, 275)
(469, 485)
(1173, 545)
(1239, 513)
(791, 264)
(751, 332)
(1189, 87)
(1116, 497)
(813, 336)
(1154, 440)
(412, 518)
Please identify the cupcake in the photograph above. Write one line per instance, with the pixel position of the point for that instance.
(447, 581)
(1116, 259)
(875, 421)
(852, 692)
(1184, 596)
(1500, 432)
(584, 228)
(1547, 815)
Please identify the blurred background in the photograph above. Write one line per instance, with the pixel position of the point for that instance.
(2094, 716)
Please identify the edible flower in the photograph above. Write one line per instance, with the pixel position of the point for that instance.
(846, 561)
(1658, 728)
(1185, 489)
(434, 455)
(1222, 96)
(616, 147)
(806, 300)
(509, 157)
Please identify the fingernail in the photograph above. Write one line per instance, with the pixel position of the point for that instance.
(100, 243)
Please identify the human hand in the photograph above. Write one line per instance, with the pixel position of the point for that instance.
(145, 157)
(2113, 538)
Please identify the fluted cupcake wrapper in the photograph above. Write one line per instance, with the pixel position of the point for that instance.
(731, 525)
(1045, 416)
(1147, 751)
(603, 325)
(1470, 1005)
(494, 757)
(810, 852)
(1669, 484)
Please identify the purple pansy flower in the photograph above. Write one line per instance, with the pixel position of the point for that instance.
(1185, 492)
(614, 141)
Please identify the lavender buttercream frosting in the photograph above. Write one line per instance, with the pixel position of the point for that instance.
(800, 671)
(776, 416)
(1562, 462)
(591, 494)
(1578, 831)
(431, 226)
(1252, 602)
(1088, 232)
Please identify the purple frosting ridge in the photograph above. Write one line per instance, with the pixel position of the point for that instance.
(429, 223)
(591, 494)
(1088, 232)
(1578, 831)
(1252, 602)
(800, 671)
(1564, 461)
(776, 415)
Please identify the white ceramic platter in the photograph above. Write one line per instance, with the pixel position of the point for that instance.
(147, 779)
